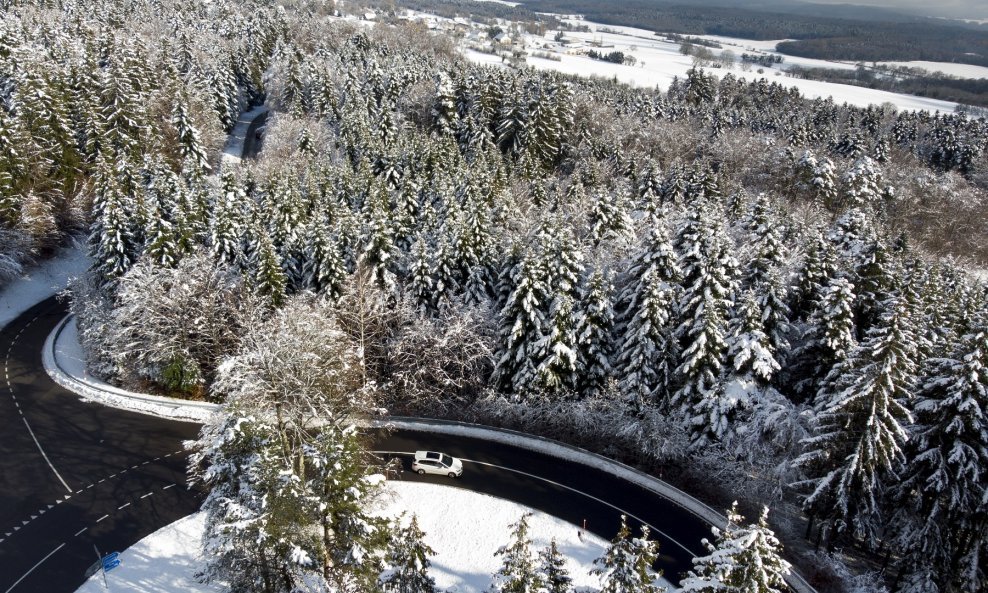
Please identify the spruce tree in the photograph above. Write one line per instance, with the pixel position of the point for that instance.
(408, 562)
(521, 326)
(518, 572)
(552, 570)
(740, 560)
(860, 430)
(709, 273)
(942, 520)
(557, 350)
(646, 358)
(595, 335)
(626, 566)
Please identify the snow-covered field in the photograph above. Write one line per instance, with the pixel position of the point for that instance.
(659, 61)
(41, 282)
(948, 68)
(464, 529)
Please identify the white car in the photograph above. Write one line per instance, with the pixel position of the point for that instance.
(431, 462)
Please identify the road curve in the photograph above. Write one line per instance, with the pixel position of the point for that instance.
(79, 475)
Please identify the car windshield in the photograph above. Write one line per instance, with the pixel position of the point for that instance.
(447, 460)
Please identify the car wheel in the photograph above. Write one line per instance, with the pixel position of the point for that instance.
(421, 472)
(452, 475)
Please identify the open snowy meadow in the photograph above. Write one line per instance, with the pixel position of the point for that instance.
(462, 527)
(658, 61)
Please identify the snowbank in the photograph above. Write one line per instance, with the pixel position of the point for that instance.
(464, 529)
(65, 363)
(40, 282)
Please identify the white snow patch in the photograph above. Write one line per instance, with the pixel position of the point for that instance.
(464, 528)
(948, 68)
(65, 363)
(162, 562)
(40, 282)
(659, 61)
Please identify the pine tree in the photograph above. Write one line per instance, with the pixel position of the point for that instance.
(626, 566)
(595, 335)
(557, 350)
(740, 560)
(942, 520)
(647, 354)
(190, 145)
(518, 573)
(521, 326)
(857, 444)
(269, 280)
(709, 272)
(408, 562)
(552, 569)
(750, 350)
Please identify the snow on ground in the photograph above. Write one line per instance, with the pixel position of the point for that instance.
(659, 61)
(464, 528)
(948, 68)
(40, 282)
(65, 362)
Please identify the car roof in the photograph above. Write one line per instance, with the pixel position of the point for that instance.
(427, 455)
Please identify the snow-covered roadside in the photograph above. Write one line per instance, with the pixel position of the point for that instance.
(65, 363)
(464, 528)
(40, 282)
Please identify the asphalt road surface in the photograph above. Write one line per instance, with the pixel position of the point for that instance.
(78, 477)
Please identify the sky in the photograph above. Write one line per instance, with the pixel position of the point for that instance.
(967, 9)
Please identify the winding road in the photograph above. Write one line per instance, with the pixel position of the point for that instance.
(78, 476)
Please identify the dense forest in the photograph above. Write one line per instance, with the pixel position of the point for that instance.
(764, 297)
(826, 38)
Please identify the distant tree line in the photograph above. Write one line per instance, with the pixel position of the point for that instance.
(815, 36)
(968, 91)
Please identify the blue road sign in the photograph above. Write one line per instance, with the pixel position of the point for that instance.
(111, 561)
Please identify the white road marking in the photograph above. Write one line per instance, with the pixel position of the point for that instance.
(101, 518)
(123, 506)
(147, 495)
(78, 533)
(50, 554)
(43, 454)
(168, 486)
(590, 496)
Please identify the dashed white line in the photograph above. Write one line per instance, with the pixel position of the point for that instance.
(123, 506)
(50, 554)
(147, 495)
(101, 518)
(78, 533)
(168, 486)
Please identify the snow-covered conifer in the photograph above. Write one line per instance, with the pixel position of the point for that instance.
(518, 572)
(857, 445)
(595, 334)
(741, 559)
(552, 569)
(626, 566)
(944, 481)
(408, 561)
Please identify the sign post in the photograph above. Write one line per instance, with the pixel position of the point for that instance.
(104, 564)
